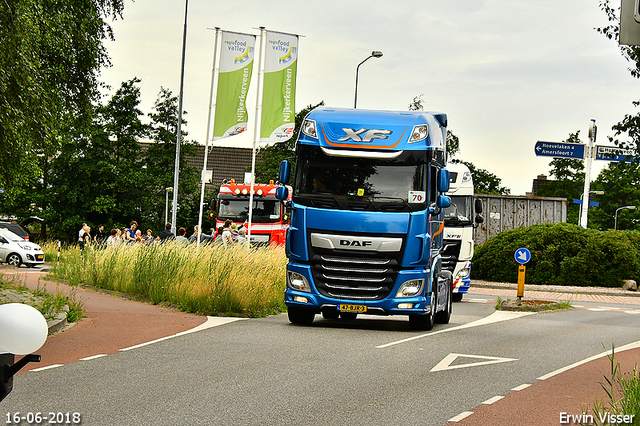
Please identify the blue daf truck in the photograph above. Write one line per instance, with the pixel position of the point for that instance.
(366, 227)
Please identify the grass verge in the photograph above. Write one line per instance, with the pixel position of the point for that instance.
(623, 397)
(209, 280)
(50, 305)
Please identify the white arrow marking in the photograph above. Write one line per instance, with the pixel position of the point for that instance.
(445, 364)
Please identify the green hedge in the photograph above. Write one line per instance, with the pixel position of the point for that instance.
(561, 254)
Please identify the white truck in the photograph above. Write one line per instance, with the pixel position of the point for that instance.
(459, 223)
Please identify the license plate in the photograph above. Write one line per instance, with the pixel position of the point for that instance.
(352, 308)
(39, 256)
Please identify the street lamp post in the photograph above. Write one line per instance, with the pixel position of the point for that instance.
(166, 204)
(615, 223)
(374, 54)
(581, 197)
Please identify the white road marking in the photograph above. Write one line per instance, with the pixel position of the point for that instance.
(523, 386)
(445, 364)
(497, 316)
(461, 416)
(633, 345)
(209, 323)
(48, 367)
(92, 357)
(492, 400)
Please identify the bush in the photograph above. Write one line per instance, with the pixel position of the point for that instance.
(561, 254)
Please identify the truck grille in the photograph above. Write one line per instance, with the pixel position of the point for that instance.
(450, 254)
(354, 274)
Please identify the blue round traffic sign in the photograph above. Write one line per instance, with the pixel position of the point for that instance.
(522, 255)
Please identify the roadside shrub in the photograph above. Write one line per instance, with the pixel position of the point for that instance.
(561, 254)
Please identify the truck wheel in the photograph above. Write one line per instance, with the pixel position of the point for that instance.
(457, 297)
(443, 317)
(424, 322)
(14, 259)
(300, 316)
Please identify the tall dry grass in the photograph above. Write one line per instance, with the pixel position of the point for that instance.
(211, 280)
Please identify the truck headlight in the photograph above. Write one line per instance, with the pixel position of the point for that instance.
(309, 128)
(410, 288)
(297, 281)
(419, 133)
(463, 273)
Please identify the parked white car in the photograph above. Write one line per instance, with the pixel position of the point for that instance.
(15, 251)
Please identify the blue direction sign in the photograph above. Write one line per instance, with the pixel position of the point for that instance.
(522, 255)
(612, 153)
(559, 149)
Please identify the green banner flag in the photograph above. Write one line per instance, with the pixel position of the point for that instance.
(278, 97)
(236, 66)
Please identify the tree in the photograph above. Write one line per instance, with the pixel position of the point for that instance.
(568, 182)
(621, 185)
(51, 53)
(95, 177)
(485, 182)
(160, 165)
(270, 157)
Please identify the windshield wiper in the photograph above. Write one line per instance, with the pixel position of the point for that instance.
(389, 206)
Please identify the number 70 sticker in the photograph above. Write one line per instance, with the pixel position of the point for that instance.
(417, 196)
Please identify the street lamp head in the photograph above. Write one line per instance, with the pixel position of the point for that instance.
(630, 207)
(598, 192)
(376, 53)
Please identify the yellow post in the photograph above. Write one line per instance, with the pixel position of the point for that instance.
(521, 271)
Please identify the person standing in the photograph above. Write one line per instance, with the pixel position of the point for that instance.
(167, 234)
(101, 237)
(227, 236)
(130, 234)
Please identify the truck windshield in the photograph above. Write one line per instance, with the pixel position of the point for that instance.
(459, 213)
(264, 211)
(371, 184)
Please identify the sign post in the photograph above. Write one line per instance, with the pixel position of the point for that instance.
(522, 256)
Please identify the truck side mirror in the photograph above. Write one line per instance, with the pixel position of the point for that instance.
(478, 206)
(443, 201)
(282, 192)
(284, 172)
(443, 181)
(479, 219)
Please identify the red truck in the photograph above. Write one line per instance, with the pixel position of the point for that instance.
(269, 220)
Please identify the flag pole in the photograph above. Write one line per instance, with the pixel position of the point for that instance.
(256, 133)
(206, 144)
(176, 173)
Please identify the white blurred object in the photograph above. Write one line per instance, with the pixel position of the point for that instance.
(23, 329)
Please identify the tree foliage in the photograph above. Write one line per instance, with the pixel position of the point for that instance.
(271, 156)
(568, 182)
(51, 53)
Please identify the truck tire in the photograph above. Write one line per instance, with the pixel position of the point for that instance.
(14, 259)
(424, 322)
(300, 316)
(443, 317)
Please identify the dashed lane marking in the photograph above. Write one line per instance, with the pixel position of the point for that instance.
(492, 400)
(461, 416)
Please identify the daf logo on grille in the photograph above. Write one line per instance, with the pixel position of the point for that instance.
(369, 135)
(355, 243)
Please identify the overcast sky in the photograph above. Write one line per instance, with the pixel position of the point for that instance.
(507, 73)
